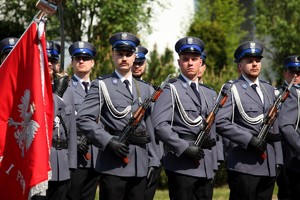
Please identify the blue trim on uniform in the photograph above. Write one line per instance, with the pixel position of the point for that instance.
(140, 55)
(246, 51)
(292, 64)
(189, 46)
(83, 51)
(123, 42)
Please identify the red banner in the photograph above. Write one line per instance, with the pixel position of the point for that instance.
(26, 117)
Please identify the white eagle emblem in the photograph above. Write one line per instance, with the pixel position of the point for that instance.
(25, 130)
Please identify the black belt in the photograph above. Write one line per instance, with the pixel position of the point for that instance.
(188, 137)
(59, 144)
(137, 138)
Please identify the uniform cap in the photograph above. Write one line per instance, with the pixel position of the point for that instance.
(82, 48)
(248, 49)
(140, 54)
(124, 41)
(7, 44)
(189, 44)
(53, 50)
(203, 56)
(292, 62)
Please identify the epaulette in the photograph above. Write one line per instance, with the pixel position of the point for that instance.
(206, 86)
(106, 76)
(172, 80)
(99, 78)
(144, 82)
(232, 81)
(263, 81)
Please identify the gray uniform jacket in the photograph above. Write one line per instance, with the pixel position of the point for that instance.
(62, 160)
(79, 95)
(239, 132)
(172, 135)
(289, 128)
(100, 133)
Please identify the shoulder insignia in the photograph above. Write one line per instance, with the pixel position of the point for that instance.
(263, 81)
(232, 81)
(140, 80)
(206, 86)
(106, 76)
(172, 80)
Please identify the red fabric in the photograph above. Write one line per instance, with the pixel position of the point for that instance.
(25, 74)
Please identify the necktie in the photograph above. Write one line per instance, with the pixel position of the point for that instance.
(193, 86)
(86, 86)
(127, 86)
(254, 86)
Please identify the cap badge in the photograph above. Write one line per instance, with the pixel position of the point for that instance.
(252, 47)
(11, 41)
(124, 36)
(81, 45)
(190, 40)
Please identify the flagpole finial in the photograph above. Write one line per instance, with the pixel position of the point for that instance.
(48, 7)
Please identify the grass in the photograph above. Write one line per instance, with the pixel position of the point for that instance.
(220, 193)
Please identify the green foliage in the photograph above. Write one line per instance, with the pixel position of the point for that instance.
(159, 67)
(218, 23)
(277, 24)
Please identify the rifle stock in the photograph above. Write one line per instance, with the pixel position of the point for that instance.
(138, 115)
(272, 114)
(210, 120)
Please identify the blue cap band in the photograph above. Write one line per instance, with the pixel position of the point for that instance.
(83, 51)
(53, 52)
(124, 42)
(140, 55)
(246, 51)
(292, 64)
(7, 47)
(189, 46)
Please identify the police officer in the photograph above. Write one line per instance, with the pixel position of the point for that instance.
(140, 62)
(63, 154)
(203, 66)
(106, 110)
(84, 180)
(178, 117)
(289, 126)
(138, 70)
(6, 45)
(53, 52)
(250, 175)
(219, 157)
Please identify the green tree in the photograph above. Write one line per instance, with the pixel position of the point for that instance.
(159, 67)
(218, 23)
(277, 25)
(91, 20)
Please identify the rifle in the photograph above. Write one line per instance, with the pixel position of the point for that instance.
(210, 119)
(272, 114)
(138, 115)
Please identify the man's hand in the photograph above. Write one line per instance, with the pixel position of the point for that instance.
(257, 145)
(118, 148)
(272, 137)
(60, 85)
(208, 143)
(150, 176)
(194, 152)
(82, 144)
